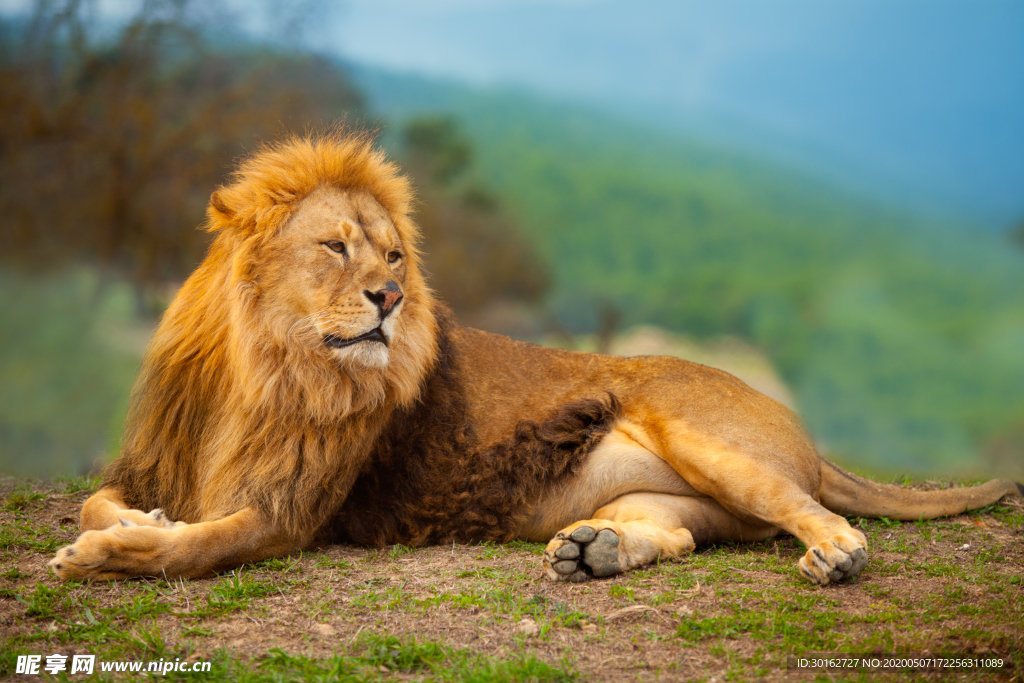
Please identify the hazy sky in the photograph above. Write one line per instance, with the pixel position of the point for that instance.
(929, 93)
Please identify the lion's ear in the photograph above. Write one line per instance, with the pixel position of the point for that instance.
(218, 204)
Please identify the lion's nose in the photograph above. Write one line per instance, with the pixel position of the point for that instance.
(385, 299)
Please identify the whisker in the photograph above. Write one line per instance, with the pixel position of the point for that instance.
(302, 325)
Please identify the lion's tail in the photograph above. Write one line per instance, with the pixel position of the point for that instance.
(847, 494)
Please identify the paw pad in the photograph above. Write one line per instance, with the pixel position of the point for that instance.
(828, 562)
(569, 551)
(583, 553)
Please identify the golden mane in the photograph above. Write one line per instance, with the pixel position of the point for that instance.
(230, 410)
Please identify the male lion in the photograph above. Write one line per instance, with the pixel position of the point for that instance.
(304, 386)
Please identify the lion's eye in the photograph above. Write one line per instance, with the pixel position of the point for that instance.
(393, 257)
(335, 246)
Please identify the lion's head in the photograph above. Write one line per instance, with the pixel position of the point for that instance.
(307, 323)
(336, 273)
(320, 260)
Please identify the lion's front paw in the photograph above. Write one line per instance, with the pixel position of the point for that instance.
(836, 559)
(155, 518)
(115, 553)
(161, 520)
(578, 552)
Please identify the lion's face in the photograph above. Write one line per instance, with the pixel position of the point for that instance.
(337, 277)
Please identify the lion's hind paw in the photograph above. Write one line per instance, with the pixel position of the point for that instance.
(583, 552)
(837, 559)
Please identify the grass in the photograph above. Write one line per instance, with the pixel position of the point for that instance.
(484, 612)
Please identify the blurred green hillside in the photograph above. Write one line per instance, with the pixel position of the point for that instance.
(68, 359)
(902, 336)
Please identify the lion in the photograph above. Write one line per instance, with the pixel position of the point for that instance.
(306, 387)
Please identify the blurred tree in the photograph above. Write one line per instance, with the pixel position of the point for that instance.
(437, 145)
(110, 148)
(475, 254)
(1017, 235)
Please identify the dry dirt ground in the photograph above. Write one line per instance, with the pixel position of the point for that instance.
(484, 613)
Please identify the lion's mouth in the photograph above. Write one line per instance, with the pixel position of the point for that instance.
(374, 335)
